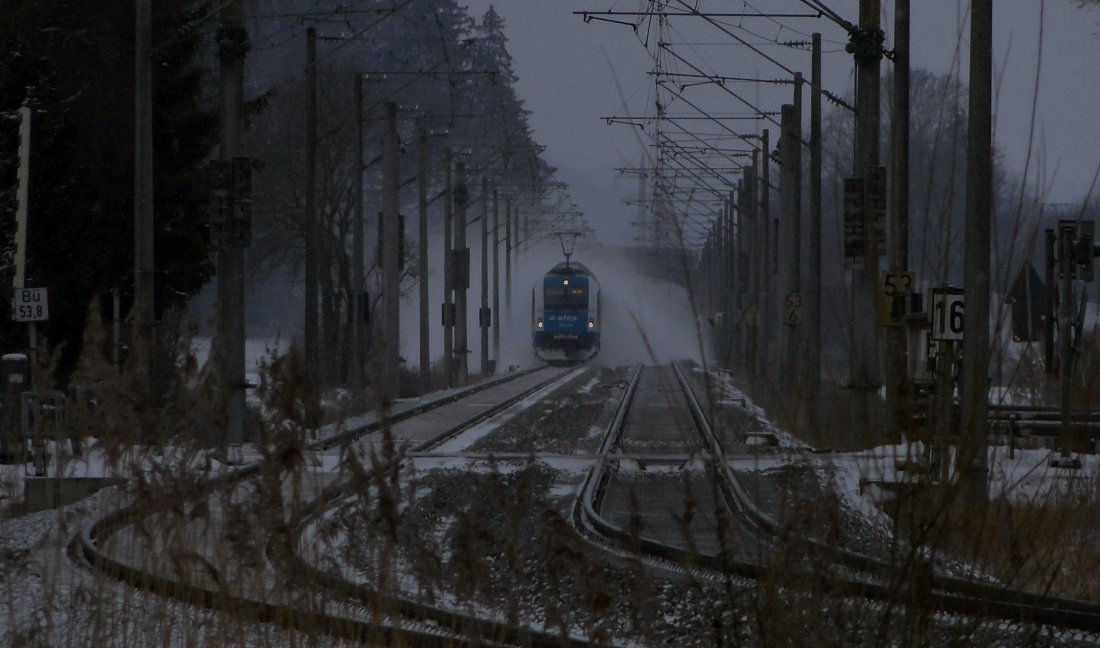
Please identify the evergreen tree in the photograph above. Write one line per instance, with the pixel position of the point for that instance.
(72, 62)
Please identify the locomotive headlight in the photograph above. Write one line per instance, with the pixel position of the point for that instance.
(538, 323)
(591, 324)
(565, 282)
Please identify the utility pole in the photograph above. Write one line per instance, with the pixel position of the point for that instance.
(865, 371)
(448, 276)
(20, 370)
(973, 462)
(312, 370)
(737, 299)
(790, 266)
(796, 243)
(425, 349)
(813, 256)
(232, 48)
(760, 202)
(1066, 308)
(391, 269)
(749, 238)
(484, 317)
(358, 280)
(496, 283)
(508, 254)
(794, 299)
(755, 255)
(897, 343)
(144, 311)
(462, 270)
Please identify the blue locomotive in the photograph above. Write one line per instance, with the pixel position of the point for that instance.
(565, 314)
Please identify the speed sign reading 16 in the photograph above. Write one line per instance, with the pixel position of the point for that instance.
(947, 314)
(31, 305)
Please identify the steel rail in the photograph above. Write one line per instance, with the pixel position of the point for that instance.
(461, 427)
(456, 623)
(947, 594)
(85, 545)
(985, 599)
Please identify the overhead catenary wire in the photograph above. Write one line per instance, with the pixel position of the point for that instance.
(728, 91)
(746, 138)
(830, 14)
(734, 36)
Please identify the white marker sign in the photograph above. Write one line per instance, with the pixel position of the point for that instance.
(31, 305)
(947, 314)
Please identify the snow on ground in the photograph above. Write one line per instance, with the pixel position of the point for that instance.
(1018, 475)
(1022, 475)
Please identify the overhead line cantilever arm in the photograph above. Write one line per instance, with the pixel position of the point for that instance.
(830, 14)
(764, 114)
(617, 119)
(734, 36)
(728, 158)
(731, 93)
(693, 172)
(719, 79)
(595, 15)
(704, 113)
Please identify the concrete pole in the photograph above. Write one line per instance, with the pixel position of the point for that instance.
(760, 196)
(736, 311)
(792, 162)
(425, 348)
(391, 272)
(735, 302)
(866, 369)
(232, 48)
(448, 276)
(1048, 306)
(1066, 306)
(755, 253)
(813, 256)
(462, 347)
(797, 237)
(748, 253)
(358, 280)
(309, 331)
(973, 462)
(484, 316)
(496, 283)
(897, 343)
(788, 265)
(143, 309)
(720, 282)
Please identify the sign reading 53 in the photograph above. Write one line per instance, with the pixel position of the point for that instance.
(792, 309)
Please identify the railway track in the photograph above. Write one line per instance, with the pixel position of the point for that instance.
(323, 603)
(848, 573)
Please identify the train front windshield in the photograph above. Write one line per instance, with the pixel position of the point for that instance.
(557, 296)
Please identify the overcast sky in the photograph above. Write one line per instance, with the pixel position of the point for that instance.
(572, 74)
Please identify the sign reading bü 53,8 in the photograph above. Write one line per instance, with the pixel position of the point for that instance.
(30, 305)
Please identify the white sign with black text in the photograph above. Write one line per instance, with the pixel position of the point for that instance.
(947, 314)
(31, 305)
